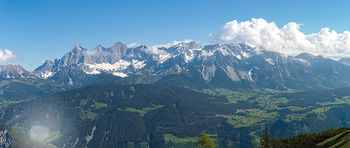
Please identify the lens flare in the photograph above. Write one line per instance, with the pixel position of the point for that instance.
(39, 132)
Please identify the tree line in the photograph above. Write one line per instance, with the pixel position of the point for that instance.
(309, 140)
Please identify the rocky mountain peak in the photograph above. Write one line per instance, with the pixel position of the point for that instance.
(44, 71)
(11, 67)
(119, 45)
(13, 71)
(77, 48)
(99, 47)
(46, 65)
(48, 62)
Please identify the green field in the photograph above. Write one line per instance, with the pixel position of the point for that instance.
(98, 105)
(341, 140)
(271, 103)
(174, 139)
(249, 117)
(142, 111)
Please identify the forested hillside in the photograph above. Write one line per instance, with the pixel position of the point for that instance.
(112, 112)
(115, 115)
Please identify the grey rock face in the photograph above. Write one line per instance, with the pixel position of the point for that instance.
(13, 71)
(44, 71)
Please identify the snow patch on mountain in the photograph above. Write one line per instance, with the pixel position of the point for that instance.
(89, 137)
(47, 74)
(270, 61)
(118, 66)
(120, 74)
(303, 61)
(206, 53)
(70, 81)
(162, 58)
(238, 57)
(92, 72)
(250, 75)
(224, 51)
(245, 54)
(195, 49)
(138, 64)
(189, 57)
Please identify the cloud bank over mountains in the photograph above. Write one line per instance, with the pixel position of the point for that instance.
(287, 40)
(7, 56)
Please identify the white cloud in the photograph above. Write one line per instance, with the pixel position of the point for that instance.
(132, 45)
(155, 48)
(288, 39)
(168, 45)
(7, 56)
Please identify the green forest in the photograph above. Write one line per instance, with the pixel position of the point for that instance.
(142, 115)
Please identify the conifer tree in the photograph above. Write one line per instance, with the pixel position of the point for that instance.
(205, 141)
(265, 140)
(252, 143)
(276, 143)
(229, 143)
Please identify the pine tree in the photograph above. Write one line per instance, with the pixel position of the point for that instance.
(252, 143)
(205, 141)
(265, 140)
(229, 143)
(276, 143)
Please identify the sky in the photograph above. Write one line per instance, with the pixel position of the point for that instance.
(36, 30)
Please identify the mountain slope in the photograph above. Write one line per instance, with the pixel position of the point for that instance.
(17, 84)
(120, 114)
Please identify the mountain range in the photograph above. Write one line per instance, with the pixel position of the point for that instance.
(233, 66)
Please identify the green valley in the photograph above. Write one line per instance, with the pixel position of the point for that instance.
(157, 115)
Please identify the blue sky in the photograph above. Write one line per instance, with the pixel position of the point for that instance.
(40, 29)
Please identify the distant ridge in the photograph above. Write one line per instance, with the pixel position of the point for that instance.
(185, 64)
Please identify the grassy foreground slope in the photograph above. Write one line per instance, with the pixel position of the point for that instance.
(340, 140)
